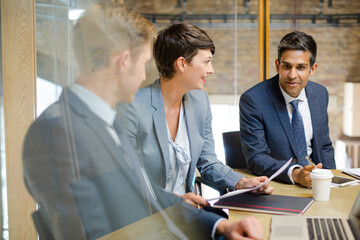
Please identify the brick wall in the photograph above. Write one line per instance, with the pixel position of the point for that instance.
(338, 46)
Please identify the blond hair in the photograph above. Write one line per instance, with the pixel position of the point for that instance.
(105, 28)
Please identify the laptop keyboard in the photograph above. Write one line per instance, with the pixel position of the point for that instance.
(326, 229)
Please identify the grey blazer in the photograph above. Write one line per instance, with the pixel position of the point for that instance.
(145, 123)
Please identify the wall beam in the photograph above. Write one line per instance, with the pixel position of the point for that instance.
(19, 79)
(263, 36)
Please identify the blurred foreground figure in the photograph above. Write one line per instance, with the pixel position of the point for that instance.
(78, 163)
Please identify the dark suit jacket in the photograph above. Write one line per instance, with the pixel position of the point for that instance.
(266, 133)
(145, 123)
(86, 184)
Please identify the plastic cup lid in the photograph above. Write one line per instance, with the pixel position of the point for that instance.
(321, 173)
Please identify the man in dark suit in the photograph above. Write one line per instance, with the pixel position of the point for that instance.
(286, 116)
(79, 165)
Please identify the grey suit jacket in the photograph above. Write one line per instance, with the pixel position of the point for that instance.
(145, 122)
(86, 184)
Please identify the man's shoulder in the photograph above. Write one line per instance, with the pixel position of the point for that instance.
(45, 127)
(261, 90)
(262, 86)
(52, 113)
(316, 86)
(315, 89)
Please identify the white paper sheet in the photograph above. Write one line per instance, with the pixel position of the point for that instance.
(240, 191)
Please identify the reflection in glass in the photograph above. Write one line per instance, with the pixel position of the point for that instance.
(79, 165)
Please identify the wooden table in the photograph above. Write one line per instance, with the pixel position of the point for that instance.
(340, 203)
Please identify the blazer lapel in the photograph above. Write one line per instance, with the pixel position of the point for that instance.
(100, 130)
(191, 125)
(278, 102)
(159, 121)
(314, 107)
(90, 119)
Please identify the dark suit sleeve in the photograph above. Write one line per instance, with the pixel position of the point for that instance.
(327, 149)
(47, 173)
(254, 144)
(194, 223)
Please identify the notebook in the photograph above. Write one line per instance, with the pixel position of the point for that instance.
(274, 204)
(300, 227)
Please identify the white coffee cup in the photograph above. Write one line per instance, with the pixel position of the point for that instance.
(321, 184)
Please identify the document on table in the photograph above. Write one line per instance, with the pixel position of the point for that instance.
(354, 172)
(240, 191)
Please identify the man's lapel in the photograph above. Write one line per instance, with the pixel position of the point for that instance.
(278, 102)
(314, 107)
(90, 119)
(159, 121)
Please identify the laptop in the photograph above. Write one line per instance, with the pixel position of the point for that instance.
(317, 227)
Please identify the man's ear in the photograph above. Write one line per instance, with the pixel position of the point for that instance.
(313, 69)
(277, 65)
(121, 60)
(180, 64)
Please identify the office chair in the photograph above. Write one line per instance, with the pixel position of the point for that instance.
(234, 158)
(200, 180)
(41, 222)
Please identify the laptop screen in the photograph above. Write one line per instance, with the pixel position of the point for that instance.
(354, 218)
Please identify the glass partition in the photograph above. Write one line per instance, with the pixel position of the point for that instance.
(232, 25)
(229, 24)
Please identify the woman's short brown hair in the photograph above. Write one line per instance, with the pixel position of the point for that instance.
(179, 40)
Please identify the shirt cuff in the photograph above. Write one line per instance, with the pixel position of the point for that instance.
(290, 172)
(215, 226)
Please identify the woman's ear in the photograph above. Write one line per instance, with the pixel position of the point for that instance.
(121, 61)
(180, 64)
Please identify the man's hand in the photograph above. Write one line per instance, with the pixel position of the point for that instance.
(302, 177)
(247, 228)
(253, 182)
(194, 200)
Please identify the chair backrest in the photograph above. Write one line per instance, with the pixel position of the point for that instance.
(234, 156)
(41, 222)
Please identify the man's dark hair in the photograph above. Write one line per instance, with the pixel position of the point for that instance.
(179, 40)
(298, 41)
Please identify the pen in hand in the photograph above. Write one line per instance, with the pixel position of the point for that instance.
(311, 163)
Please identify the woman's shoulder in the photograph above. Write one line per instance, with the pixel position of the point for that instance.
(146, 92)
(198, 96)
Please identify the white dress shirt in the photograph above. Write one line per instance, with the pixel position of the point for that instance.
(179, 165)
(306, 117)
